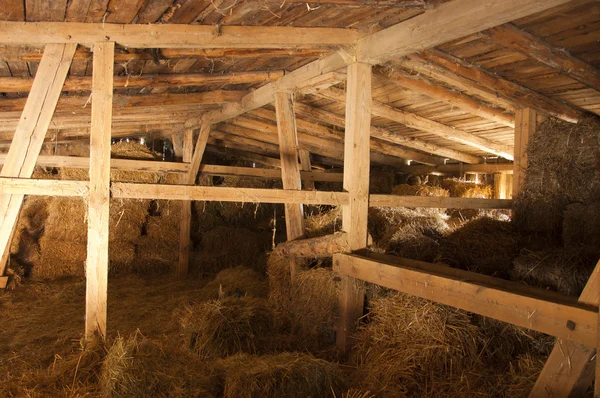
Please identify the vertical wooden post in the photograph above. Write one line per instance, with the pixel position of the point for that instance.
(30, 132)
(99, 200)
(186, 211)
(290, 169)
(356, 183)
(525, 126)
(309, 185)
(198, 153)
(500, 186)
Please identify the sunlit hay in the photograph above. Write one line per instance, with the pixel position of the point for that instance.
(324, 223)
(237, 282)
(314, 308)
(67, 220)
(224, 327)
(384, 221)
(419, 190)
(246, 250)
(539, 213)
(463, 189)
(483, 245)
(381, 180)
(121, 255)
(407, 341)
(287, 375)
(133, 150)
(562, 270)
(581, 225)
(415, 240)
(354, 393)
(139, 367)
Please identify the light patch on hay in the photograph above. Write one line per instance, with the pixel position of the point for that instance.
(283, 375)
(133, 150)
(420, 190)
(237, 282)
(463, 189)
(219, 328)
(323, 223)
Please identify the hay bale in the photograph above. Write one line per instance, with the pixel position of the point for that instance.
(581, 225)
(133, 150)
(463, 189)
(248, 247)
(139, 367)
(420, 190)
(407, 342)
(381, 180)
(280, 281)
(67, 220)
(121, 255)
(235, 282)
(155, 256)
(413, 240)
(483, 245)
(562, 270)
(323, 223)
(283, 375)
(385, 221)
(207, 215)
(245, 214)
(539, 213)
(220, 328)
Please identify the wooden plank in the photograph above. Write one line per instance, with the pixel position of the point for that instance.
(459, 168)
(84, 83)
(267, 173)
(198, 153)
(29, 135)
(99, 200)
(186, 211)
(421, 85)
(26, 186)
(174, 35)
(226, 194)
(3, 282)
(558, 59)
(525, 126)
(554, 317)
(356, 183)
(305, 165)
(569, 370)
(12, 10)
(437, 202)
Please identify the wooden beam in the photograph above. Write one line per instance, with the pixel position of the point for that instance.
(198, 153)
(356, 183)
(29, 135)
(186, 210)
(500, 186)
(3, 282)
(305, 165)
(558, 59)
(438, 202)
(512, 304)
(307, 176)
(525, 126)
(174, 35)
(490, 168)
(514, 92)
(569, 370)
(96, 270)
(404, 4)
(124, 101)
(415, 121)
(84, 83)
(421, 85)
(28, 186)
(322, 246)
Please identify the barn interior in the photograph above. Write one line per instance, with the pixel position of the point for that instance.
(282, 198)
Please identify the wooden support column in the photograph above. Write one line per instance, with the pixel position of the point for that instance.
(525, 126)
(186, 211)
(30, 132)
(198, 153)
(500, 185)
(309, 185)
(356, 183)
(98, 210)
(290, 169)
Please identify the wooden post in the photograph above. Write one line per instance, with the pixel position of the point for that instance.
(186, 211)
(98, 210)
(290, 169)
(356, 183)
(309, 185)
(198, 153)
(30, 132)
(525, 126)
(500, 186)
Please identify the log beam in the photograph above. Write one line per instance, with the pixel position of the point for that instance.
(438, 202)
(322, 246)
(525, 126)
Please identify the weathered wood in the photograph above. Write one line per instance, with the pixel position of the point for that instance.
(514, 92)
(569, 369)
(412, 4)
(198, 153)
(322, 246)
(558, 59)
(305, 165)
(525, 126)
(174, 35)
(3, 282)
(432, 201)
(186, 210)
(419, 84)
(458, 168)
(26, 186)
(29, 135)
(500, 186)
(537, 312)
(84, 83)
(99, 198)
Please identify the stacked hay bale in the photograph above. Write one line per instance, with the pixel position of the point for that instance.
(381, 180)
(420, 190)
(464, 189)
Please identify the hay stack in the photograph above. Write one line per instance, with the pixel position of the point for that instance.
(245, 214)
(407, 342)
(235, 282)
(287, 375)
(483, 245)
(581, 226)
(324, 223)
(420, 190)
(463, 189)
(224, 327)
(562, 270)
(133, 150)
(381, 180)
(384, 221)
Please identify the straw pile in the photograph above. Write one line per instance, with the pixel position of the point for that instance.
(283, 375)
(463, 189)
(483, 245)
(323, 223)
(220, 328)
(419, 190)
(407, 342)
(562, 270)
(237, 282)
(581, 226)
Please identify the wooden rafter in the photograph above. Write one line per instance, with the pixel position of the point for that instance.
(558, 59)
(199, 149)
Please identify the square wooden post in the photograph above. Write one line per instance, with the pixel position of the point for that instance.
(186, 211)
(525, 126)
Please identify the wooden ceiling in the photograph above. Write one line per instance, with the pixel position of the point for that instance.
(471, 85)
